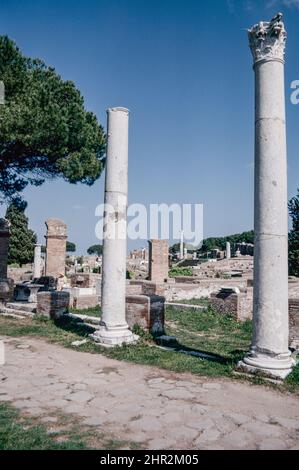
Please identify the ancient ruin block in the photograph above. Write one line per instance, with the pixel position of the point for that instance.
(158, 260)
(55, 247)
(146, 311)
(6, 290)
(86, 280)
(52, 304)
(4, 243)
(230, 301)
(82, 302)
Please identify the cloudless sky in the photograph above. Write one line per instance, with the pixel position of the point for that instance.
(184, 69)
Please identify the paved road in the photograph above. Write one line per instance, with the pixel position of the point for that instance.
(156, 408)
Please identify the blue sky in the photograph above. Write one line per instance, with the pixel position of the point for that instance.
(184, 69)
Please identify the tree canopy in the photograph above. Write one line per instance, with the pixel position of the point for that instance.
(22, 239)
(70, 247)
(45, 131)
(213, 243)
(95, 250)
(294, 236)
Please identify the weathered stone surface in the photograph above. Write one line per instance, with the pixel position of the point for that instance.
(4, 243)
(146, 311)
(158, 260)
(37, 264)
(45, 380)
(114, 329)
(52, 304)
(269, 352)
(55, 248)
(228, 301)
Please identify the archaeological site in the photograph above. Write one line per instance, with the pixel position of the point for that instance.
(150, 332)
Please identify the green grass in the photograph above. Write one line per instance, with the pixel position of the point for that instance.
(203, 331)
(180, 271)
(19, 433)
(91, 311)
(22, 432)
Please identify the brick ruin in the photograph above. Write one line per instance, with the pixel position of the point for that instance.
(55, 248)
(6, 284)
(158, 260)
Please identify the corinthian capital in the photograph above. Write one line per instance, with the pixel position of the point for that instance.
(267, 39)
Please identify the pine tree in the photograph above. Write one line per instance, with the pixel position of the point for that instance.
(294, 236)
(22, 239)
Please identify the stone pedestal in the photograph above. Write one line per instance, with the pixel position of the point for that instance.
(37, 261)
(114, 329)
(269, 351)
(52, 304)
(55, 248)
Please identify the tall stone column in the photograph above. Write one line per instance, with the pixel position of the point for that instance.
(37, 261)
(114, 328)
(269, 351)
(182, 245)
(228, 250)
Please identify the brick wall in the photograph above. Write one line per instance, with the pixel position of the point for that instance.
(147, 312)
(86, 280)
(52, 304)
(294, 322)
(85, 301)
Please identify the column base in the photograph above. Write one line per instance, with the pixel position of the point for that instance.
(114, 337)
(275, 367)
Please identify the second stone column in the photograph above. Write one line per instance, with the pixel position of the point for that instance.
(114, 329)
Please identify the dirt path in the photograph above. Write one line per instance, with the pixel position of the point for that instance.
(158, 409)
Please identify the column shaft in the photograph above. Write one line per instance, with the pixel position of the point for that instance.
(269, 351)
(114, 328)
(37, 262)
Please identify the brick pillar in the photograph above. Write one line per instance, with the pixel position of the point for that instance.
(4, 243)
(55, 247)
(158, 260)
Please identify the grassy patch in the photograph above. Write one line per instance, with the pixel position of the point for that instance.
(180, 271)
(91, 311)
(201, 331)
(21, 432)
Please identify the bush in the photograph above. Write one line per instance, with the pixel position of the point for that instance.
(180, 272)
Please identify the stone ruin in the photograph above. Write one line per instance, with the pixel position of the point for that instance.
(56, 237)
(269, 353)
(6, 284)
(158, 260)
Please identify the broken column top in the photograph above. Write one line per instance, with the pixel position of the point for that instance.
(4, 227)
(56, 228)
(267, 39)
(118, 109)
